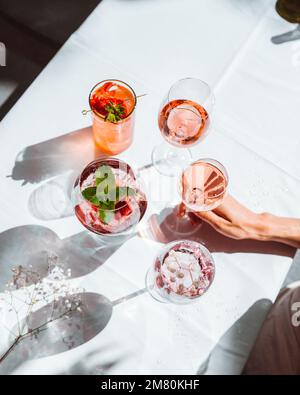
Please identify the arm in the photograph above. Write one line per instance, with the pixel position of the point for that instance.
(284, 230)
(236, 221)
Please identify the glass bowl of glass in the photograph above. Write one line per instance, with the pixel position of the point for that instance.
(203, 184)
(184, 120)
(108, 200)
(182, 272)
(113, 104)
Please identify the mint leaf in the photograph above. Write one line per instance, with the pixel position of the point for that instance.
(115, 112)
(107, 205)
(106, 216)
(99, 180)
(123, 192)
(111, 118)
(103, 172)
(95, 201)
(106, 184)
(107, 211)
(90, 194)
(106, 193)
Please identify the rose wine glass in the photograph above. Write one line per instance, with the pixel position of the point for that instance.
(181, 273)
(184, 119)
(108, 200)
(203, 186)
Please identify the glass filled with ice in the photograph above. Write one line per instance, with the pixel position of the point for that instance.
(181, 273)
(108, 199)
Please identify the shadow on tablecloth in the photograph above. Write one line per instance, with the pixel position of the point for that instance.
(59, 161)
(64, 333)
(68, 152)
(31, 245)
(230, 354)
(166, 227)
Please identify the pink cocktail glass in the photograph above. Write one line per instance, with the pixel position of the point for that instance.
(108, 199)
(182, 272)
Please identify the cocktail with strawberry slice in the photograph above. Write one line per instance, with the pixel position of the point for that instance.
(108, 199)
(112, 103)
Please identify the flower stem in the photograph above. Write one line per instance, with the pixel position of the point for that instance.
(16, 341)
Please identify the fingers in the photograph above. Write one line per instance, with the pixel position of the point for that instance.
(221, 225)
(228, 207)
(231, 218)
(213, 219)
(232, 210)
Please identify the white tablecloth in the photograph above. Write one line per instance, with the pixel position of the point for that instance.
(44, 139)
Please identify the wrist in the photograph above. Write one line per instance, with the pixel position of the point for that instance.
(262, 227)
(273, 228)
(255, 226)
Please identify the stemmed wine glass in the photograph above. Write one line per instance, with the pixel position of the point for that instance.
(202, 187)
(181, 273)
(108, 200)
(184, 120)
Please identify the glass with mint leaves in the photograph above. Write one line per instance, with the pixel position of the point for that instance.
(112, 104)
(108, 200)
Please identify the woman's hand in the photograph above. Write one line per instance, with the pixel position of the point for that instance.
(234, 220)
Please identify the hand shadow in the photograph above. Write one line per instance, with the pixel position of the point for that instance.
(230, 354)
(167, 226)
(59, 155)
(30, 246)
(65, 332)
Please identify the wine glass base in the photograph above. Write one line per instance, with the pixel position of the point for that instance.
(183, 226)
(110, 240)
(170, 161)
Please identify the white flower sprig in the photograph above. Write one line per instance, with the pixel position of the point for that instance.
(27, 292)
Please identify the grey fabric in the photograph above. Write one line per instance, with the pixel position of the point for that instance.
(276, 350)
(294, 272)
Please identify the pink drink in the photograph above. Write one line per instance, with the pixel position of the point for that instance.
(183, 122)
(184, 271)
(117, 212)
(203, 185)
(113, 132)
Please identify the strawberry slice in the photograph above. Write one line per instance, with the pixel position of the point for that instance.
(159, 281)
(106, 87)
(123, 208)
(108, 105)
(92, 216)
(80, 214)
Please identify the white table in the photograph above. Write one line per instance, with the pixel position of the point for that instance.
(151, 44)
